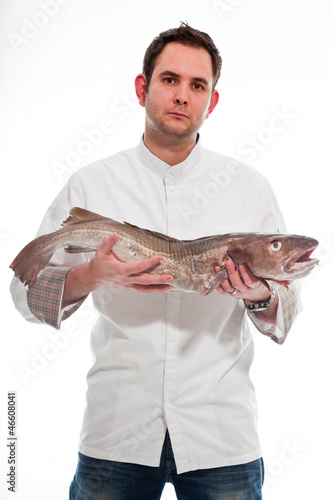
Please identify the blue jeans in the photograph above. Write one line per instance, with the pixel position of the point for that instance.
(97, 479)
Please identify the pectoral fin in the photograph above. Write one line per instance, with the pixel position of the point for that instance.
(77, 249)
(213, 281)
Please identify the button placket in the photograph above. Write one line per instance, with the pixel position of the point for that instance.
(173, 312)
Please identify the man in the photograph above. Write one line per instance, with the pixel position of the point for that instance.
(169, 395)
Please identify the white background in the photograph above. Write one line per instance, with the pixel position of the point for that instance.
(64, 72)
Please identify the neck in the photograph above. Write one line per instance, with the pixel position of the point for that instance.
(171, 150)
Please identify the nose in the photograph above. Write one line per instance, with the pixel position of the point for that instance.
(181, 97)
(181, 101)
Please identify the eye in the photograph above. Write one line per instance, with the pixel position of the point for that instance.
(169, 80)
(275, 246)
(197, 86)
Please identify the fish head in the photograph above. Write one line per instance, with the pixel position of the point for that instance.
(279, 257)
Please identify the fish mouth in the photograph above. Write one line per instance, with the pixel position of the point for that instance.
(301, 263)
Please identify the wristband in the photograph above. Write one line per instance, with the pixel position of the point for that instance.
(260, 306)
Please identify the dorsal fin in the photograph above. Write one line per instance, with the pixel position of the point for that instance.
(153, 233)
(78, 214)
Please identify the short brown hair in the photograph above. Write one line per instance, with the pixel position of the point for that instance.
(184, 35)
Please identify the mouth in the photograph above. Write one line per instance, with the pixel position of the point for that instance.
(301, 263)
(176, 114)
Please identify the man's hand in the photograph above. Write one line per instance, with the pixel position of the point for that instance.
(242, 284)
(105, 268)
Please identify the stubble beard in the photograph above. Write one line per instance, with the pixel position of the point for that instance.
(167, 134)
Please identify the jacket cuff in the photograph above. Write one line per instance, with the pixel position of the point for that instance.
(45, 297)
(286, 314)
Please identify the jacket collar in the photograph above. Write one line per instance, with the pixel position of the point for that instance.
(170, 173)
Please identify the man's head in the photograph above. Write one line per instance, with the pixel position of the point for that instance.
(187, 36)
(176, 88)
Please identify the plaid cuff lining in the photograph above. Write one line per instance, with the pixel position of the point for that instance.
(289, 306)
(45, 297)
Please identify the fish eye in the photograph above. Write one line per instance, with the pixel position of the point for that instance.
(275, 246)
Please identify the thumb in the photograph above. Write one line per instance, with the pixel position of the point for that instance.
(106, 246)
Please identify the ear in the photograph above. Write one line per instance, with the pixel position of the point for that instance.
(140, 88)
(213, 102)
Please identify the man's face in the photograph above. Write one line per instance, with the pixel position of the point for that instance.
(180, 97)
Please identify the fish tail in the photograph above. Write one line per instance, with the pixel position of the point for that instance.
(32, 259)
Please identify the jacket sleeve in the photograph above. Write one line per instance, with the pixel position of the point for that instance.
(289, 307)
(42, 303)
(269, 219)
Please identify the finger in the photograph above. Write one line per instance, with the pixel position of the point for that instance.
(151, 288)
(150, 279)
(249, 279)
(220, 290)
(234, 277)
(106, 246)
(142, 265)
(227, 287)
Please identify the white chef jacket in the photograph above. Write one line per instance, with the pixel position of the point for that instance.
(169, 360)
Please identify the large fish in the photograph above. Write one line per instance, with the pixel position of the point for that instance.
(279, 257)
